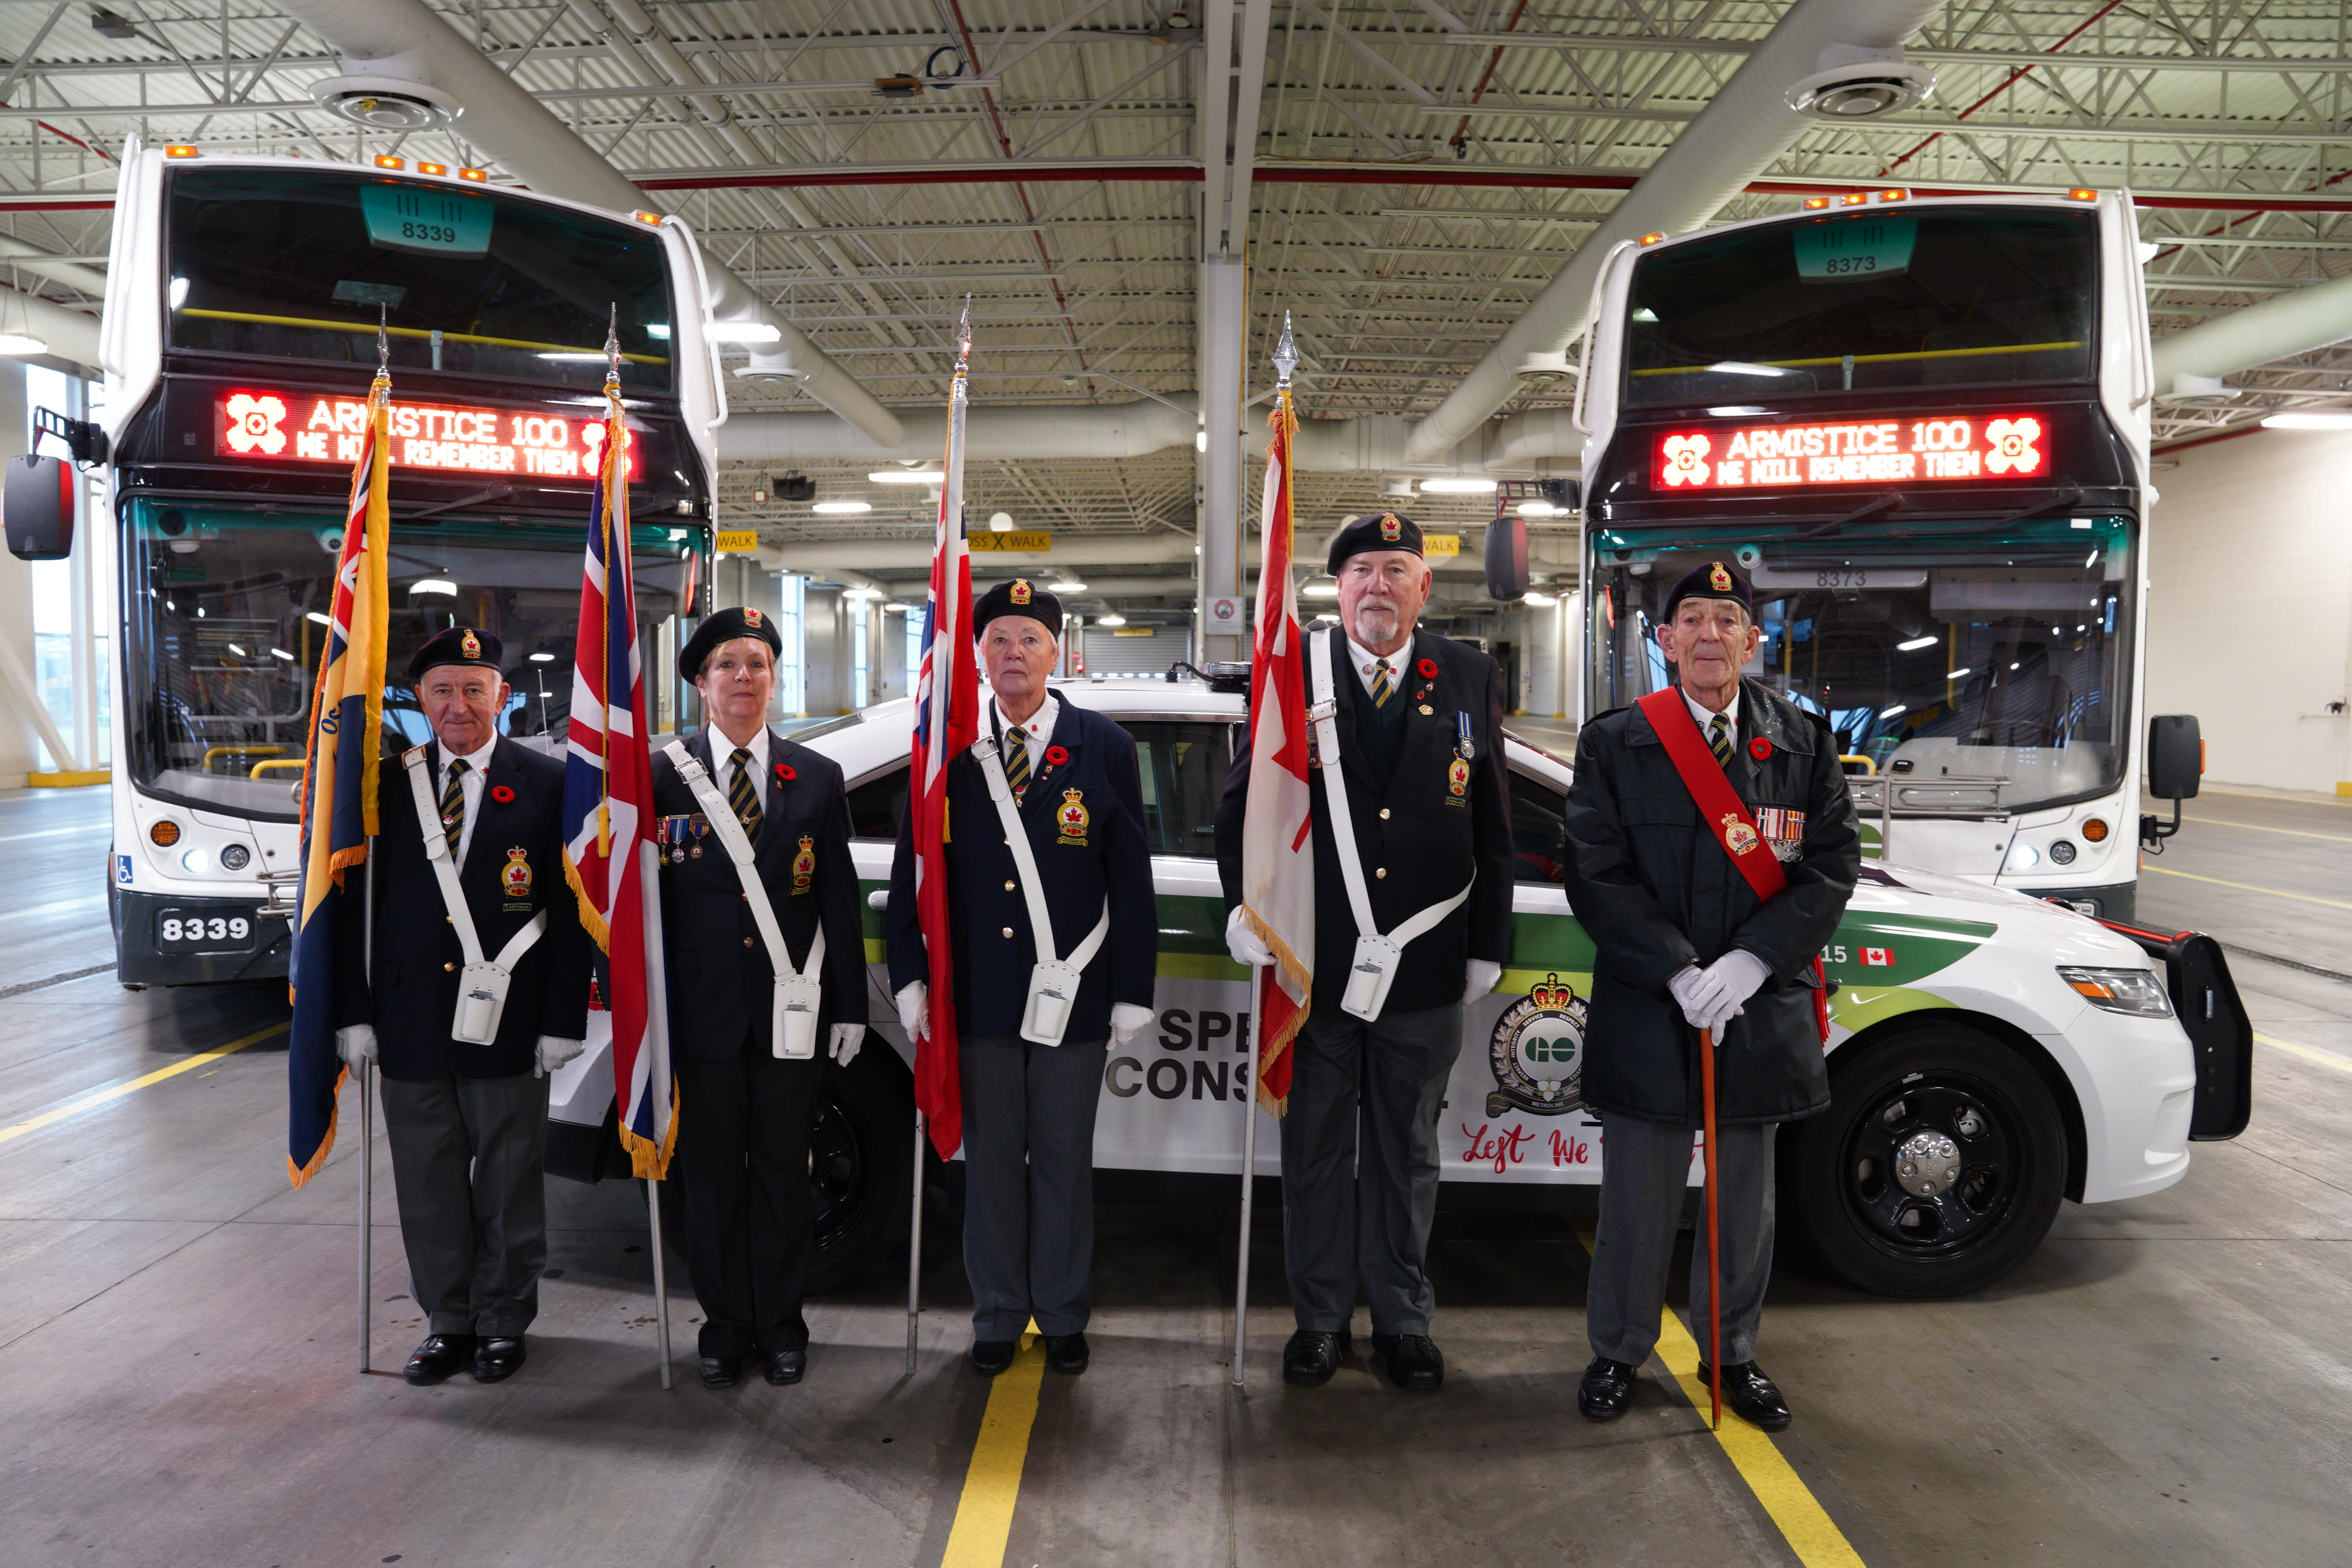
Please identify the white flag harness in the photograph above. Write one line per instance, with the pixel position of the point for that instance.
(1373, 969)
(482, 983)
(1052, 982)
(798, 993)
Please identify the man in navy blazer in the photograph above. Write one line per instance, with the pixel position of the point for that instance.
(466, 1122)
(1028, 1109)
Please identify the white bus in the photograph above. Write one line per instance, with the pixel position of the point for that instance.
(238, 341)
(1921, 427)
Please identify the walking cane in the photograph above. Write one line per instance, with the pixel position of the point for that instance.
(1713, 1253)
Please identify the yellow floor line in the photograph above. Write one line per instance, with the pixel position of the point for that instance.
(1811, 1534)
(2325, 1059)
(983, 1520)
(2248, 888)
(2265, 828)
(97, 1097)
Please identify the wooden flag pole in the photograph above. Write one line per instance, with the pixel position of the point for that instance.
(915, 1250)
(1249, 1196)
(1714, 1252)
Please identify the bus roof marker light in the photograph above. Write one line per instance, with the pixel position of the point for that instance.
(386, 160)
(1653, 237)
(180, 150)
(478, 175)
(650, 219)
(2081, 194)
(425, 168)
(1853, 199)
(1815, 204)
(1896, 195)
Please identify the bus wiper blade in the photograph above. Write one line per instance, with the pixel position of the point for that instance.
(1893, 501)
(2064, 502)
(495, 493)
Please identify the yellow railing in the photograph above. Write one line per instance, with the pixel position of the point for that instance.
(420, 333)
(254, 750)
(297, 763)
(1866, 761)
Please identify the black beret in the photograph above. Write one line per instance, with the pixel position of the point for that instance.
(723, 627)
(459, 645)
(1372, 531)
(1018, 597)
(1716, 580)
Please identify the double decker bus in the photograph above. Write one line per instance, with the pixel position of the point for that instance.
(239, 338)
(1921, 427)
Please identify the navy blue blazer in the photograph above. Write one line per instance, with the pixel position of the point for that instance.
(1108, 856)
(719, 977)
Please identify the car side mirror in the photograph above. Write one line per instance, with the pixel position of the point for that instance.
(36, 508)
(2176, 762)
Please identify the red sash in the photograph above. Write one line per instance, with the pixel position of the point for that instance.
(1726, 815)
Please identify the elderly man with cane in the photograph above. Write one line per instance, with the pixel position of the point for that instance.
(1711, 848)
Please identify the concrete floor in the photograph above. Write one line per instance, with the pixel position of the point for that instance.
(2165, 1382)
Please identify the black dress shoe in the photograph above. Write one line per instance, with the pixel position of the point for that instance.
(1607, 1389)
(1751, 1394)
(1414, 1360)
(786, 1366)
(436, 1357)
(498, 1358)
(721, 1370)
(1066, 1352)
(990, 1357)
(1311, 1357)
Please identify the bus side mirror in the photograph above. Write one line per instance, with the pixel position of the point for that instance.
(1507, 557)
(37, 507)
(2175, 760)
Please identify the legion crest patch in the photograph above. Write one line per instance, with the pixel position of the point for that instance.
(470, 643)
(1019, 591)
(804, 865)
(1719, 577)
(1073, 818)
(1537, 1052)
(750, 617)
(1458, 782)
(516, 877)
(1738, 837)
(1392, 530)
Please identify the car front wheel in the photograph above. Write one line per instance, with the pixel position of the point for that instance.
(1937, 1168)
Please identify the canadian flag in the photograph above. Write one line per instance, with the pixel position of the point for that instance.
(1877, 955)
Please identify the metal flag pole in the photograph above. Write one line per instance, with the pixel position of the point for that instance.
(915, 1249)
(367, 963)
(661, 1280)
(1714, 1248)
(1249, 1196)
(656, 1029)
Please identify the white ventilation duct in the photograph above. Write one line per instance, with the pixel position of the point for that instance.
(2191, 363)
(1746, 126)
(70, 334)
(397, 46)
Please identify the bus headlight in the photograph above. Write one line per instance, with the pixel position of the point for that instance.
(2137, 992)
(2062, 852)
(194, 862)
(235, 857)
(2023, 857)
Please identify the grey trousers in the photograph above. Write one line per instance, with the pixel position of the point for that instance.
(469, 1158)
(1644, 1168)
(1029, 1182)
(1360, 1165)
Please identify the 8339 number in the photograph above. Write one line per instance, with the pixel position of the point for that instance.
(183, 930)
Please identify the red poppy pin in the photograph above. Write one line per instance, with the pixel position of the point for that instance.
(501, 794)
(784, 771)
(1056, 755)
(1760, 748)
(1428, 668)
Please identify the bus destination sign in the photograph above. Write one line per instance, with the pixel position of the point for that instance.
(285, 426)
(1878, 451)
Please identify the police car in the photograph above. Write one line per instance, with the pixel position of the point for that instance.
(1990, 1054)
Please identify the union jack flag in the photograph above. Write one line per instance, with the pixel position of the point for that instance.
(608, 816)
(946, 722)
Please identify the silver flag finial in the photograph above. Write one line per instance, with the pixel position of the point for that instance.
(612, 346)
(1285, 356)
(383, 340)
(963, 334)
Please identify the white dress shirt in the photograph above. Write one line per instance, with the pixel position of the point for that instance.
(1705, 716)
(469, 789)
(722, 762)
(1036, 736)
(1362, 659)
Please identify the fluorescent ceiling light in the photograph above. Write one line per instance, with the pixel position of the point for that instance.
(1326, 618)
(895, 609)
(842, 508)
(1321, 588)
(1113, 619)
(1540, 601)
(743, 333)
(22, 344)
(1200, 440)
(1537, 507)
(906, 476)
(1736, 410)
(861, 593)
(2276, 422)
(1741, 367)
(658, 331)
(178, 295)
(575, 356)
(238, 651)
(542, 658)
(1955, 675)
(315, 615)
(1458, 487)
(1915, 644)
(1067, 587)
(432, 585)
(1891, 712)
(282, 653)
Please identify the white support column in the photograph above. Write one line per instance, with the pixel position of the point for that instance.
(1223, 328)
(20, 737)
(82, 643)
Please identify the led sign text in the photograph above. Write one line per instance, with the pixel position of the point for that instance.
(1883, 451)
(290, 427)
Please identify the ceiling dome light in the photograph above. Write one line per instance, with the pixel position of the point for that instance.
(395, 105)
(1112, 619)
(1880, 81)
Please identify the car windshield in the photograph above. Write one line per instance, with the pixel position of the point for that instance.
(1986, 670)
(225, 608)
(1892, 298)
(299, 264)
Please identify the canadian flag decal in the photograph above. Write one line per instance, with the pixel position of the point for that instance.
(1877, 955)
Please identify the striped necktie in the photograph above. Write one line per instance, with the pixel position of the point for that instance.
(742, 794)
(1381, 689)
(1016, 761)
(1718, 736)
(452, 806)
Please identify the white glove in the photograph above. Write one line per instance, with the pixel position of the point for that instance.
(356, 1045)
(1713, 997)
(846, 1039)
(553, 1053)
(1128, 1020)
(915, 1009)
(1481, 978)
(1244, 943)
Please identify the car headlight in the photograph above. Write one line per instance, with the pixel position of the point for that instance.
(2134, 991)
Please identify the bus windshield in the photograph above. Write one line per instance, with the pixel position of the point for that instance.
(1894, 299)
(225, 608)
(271, 264)
(1989, 671)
